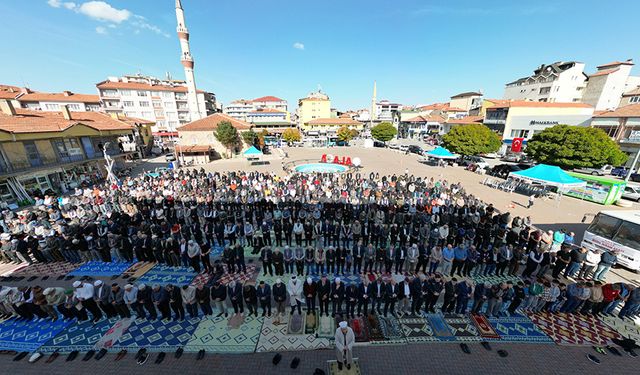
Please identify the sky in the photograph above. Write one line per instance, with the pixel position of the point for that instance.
(419, 52)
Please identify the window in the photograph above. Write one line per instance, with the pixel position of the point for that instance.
(519, 133)
(634, 99)
(142, 93)
(167, 94)
(157, 104)
(127, 103)
(159, 113)
(52, 107)
(74, 107)
(143, 104)
(145, 114)
(604, 226)
(545, 90)
(125, 92)
(628, 235)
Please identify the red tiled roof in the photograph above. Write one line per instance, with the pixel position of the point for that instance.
(525, 103)
(268, 99)
(419, 119)
(28, 121)
(140, 86)
(263, 110)
(59, 97)
(631, 110)
(434, 106)
(454, 109)
(604, 72)
(9, 92)
(616, 63)
(211, 123)
(466, 120)
(333, 121)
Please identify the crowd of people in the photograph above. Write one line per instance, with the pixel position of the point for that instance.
(414, 243)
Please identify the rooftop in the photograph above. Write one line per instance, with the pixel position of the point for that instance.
(140, 86)
(631, 110)
(525, 103)
(65, 96)
(333, 121)
(616, 63)
(419, 119)
(604, 72)
(29, 121)
(9, 92)
(211, 123)
(466, 120)
(465, 94)
(632, 92)
(268, 99)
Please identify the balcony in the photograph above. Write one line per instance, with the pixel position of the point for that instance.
(42, 162)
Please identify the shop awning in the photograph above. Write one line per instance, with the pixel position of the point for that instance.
(441, 153)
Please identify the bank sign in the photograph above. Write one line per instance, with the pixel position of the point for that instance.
(543, 122)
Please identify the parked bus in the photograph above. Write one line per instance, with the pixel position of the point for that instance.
(616, 230)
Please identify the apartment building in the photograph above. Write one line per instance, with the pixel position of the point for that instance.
(316, 105)
(605, 87)
(561, 81)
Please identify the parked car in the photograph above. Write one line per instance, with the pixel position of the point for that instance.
(403, 148)
(503, 170)
(620, 171)
(465, 161)
(393, 145)
(170, 157)
(416, 150)
(511, 157)
(635, 177)
(491, 155)
(602, 171)
(379, 144)
(632, 193)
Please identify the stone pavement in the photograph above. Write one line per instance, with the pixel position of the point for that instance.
(441, 358)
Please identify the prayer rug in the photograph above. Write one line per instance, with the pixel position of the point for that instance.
(7, 269)
(162, 274)
(27, 336)
(572, 329)
(375, 332)
(215, 336)
(80, 336)
(54, 269)
(391, 330)
(274, 338)
(296, 324)
(216, 252)
(94, 268)
(462, 327)
(157, 335)
(241, 277)
(311, 323)
(519, 330)
(326, 327)
(345, 279)
(235, 321)
(440, 328)
(627, 328)
(360, 329)
(113, 334)
(138, 269)
(201, 279)
(484, 326)
(496, 279)
(333, 368)
(417, 330)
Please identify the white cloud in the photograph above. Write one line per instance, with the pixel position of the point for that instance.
(101, 30)
(141, 22)
(54, 3)
(101, 11)
(69, 5)
(298, 45)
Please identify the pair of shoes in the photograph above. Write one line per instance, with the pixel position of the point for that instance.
(339, 366)
(179, 353)
(121, 354)
(160, 357)
(200, 355)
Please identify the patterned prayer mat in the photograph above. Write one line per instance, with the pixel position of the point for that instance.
(113, 334)
(572, 329)
(440, 328)
(163, 275)
(375, 331)
(326, 327)
(496, 279)
(138, 269)
(391, 330)
(101, 269)
(626, 328)
(201, 279)
(27, 336)
(251, 274)
(157, 335)
(274, 338)
(417, 330)
(80, 336)
(462, 327)
(360, 329)
(516, 329)
(333, 368)
(296, 324)
(215, 336)
(7, 269)
(54, 269)
(346, 279)
(484, 326)
(311, 323)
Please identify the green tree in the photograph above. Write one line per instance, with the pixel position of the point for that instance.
(472, 139)
(384, 132)
(261, 137)
(249, 137)
(575, 147)
(227, 135)
(291, 135)
(346, 134)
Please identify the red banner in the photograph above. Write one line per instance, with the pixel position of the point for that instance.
(345, 160)
(516, 144)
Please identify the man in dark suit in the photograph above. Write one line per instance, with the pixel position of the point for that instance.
(266, 256)
(378, 295)
(359, 251)
(337, 295)
(309, 289)
(324, 294)
(391, 297)
(399, 259)
(234, 290)
(264, 296)
(416, 295)
(352, 296)
(175, 300)
(278, 262)
(239, 256)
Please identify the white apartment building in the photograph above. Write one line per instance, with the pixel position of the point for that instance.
(557, 82)
(631, 97)
(385, 110)
(607, 85)
(163, 101)
(467, 101)
(241, 108)
(51, 102)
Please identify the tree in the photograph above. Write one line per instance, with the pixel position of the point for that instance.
(261, 137)
(346, 134)
(472, 139)
(249, 137)
(575, 147)
(227, 135)
(384, 132)
(291, 135)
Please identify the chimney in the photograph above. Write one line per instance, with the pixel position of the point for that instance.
(67, 93)
(115, 116)
(7, 108)
(65, 112)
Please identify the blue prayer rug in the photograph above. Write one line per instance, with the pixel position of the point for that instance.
(162, 274)
(440, 328)
(101, 269)
(157, 335)
(81, 336)
(519, 329)
(27, 336)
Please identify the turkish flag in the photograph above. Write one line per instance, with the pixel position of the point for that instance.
(516, 144)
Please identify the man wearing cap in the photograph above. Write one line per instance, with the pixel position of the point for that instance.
(160, 298)
(310, 290)
(101, 296)
(145, 301)
(84, 294)
(116, 299)
(130, 298)
(344, 340)
(337, 296)
(294, 288)
(279, 296)
(323, 288)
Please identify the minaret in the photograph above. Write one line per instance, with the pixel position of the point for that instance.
(187, 62)
(373, 105)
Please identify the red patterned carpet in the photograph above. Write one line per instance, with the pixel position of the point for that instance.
(572, 329)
